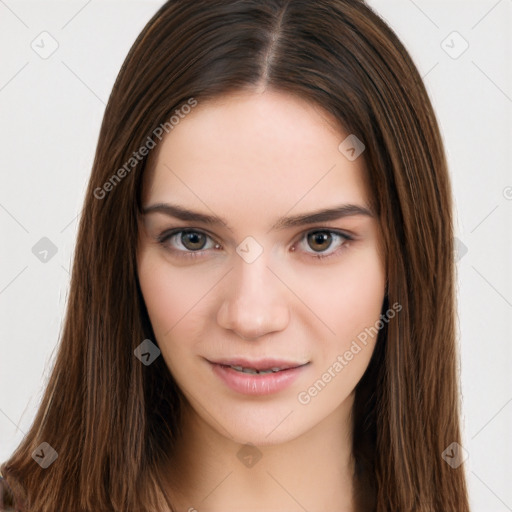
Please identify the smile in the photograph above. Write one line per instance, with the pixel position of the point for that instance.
(253, 371)
(247, 380)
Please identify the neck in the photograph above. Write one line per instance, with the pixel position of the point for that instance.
(314, 471)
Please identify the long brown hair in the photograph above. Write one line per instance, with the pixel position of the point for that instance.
(112, 420)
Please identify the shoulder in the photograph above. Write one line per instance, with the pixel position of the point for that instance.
(8, 502)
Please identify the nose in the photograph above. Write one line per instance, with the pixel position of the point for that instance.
(254, 301)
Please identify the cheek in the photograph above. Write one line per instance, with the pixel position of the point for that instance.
(350, 301)
(177, 302)
(351, 308)
(161, 294)
(362, 295)
(171, 293)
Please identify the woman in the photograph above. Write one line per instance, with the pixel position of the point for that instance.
(262, 305)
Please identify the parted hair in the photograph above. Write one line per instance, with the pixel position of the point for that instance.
(113, 421)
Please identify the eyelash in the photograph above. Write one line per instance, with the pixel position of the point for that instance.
(163, 238)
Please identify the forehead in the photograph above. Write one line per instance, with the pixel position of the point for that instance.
(262, 153)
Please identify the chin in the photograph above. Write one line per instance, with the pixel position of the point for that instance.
(275, 425)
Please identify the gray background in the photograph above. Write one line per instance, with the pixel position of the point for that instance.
(51, 109)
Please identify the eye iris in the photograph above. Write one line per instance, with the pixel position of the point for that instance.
(320, 237)
(197, 240)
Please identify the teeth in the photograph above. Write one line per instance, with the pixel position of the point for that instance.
(252, 371)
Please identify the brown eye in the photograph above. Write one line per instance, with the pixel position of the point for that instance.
(186, 242)
(193, 240)
(319, 240)
(323, 243)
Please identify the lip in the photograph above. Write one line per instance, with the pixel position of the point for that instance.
(254, 384)
(260, 364)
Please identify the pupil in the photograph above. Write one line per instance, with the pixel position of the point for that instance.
(320, 238)
(192, 238)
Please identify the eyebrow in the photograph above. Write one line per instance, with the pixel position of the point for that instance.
(326, 214)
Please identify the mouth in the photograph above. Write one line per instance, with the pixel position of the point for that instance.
(253, 371)
(259, 367)
(261, 377)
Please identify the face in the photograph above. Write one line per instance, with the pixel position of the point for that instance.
(270, 286)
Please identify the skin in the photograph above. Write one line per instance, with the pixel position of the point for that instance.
(252, 157)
